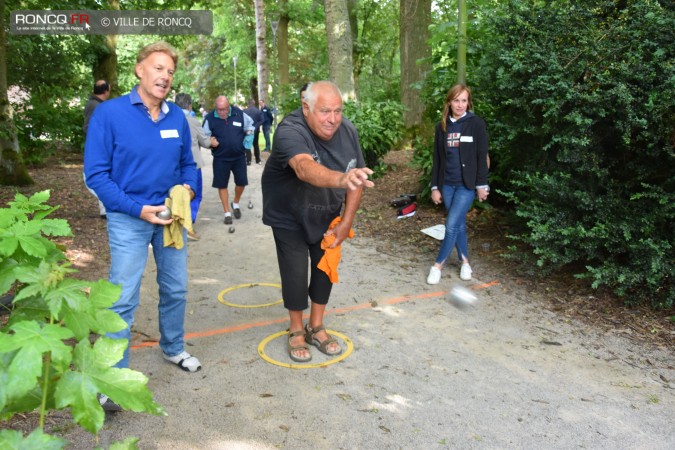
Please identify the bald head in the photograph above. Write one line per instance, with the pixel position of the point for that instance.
(318, 89)
(322, 108)
(222, 106)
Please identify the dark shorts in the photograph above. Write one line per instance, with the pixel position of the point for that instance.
(222, 169)
(293, 253)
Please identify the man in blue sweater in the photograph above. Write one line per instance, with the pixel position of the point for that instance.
(138, 147)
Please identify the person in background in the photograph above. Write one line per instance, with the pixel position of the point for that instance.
(459, 174)
(138, 148)
(315, 167)
(199, 139)
(302, 92)
(257, 116)
(228, 126)
(101, 94)
(268, 118)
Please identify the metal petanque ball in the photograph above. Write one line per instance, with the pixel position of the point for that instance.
(250, 204)
(231, 230)
(461, 297)
(164, 215)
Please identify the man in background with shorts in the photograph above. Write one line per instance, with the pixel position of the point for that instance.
(228, 126)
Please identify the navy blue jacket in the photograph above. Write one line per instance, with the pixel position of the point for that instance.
(230, 134)
(268, 118)
(473, 151)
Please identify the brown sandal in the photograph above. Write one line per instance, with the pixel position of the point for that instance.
(310, 338)
(292, 348)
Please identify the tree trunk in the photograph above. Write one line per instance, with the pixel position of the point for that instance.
(282, 52)
(415, 18)
(106, 59)
(12, 169)
(352, 9)
(461, 43)
(261, 51)
(106, 64)
(340, 47)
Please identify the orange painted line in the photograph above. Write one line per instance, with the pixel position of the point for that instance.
(485, 285)
(246, 326)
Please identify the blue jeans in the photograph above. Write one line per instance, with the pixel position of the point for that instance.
(457, 201)
(266, 134)
(129, 238)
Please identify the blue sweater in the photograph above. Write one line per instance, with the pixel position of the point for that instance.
(131, 161)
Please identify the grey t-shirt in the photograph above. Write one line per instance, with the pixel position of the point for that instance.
(292, 204)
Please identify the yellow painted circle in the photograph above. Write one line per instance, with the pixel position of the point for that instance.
(340, 357)
(221, 295)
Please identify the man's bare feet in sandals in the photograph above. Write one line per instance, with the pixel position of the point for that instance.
(318, 337)
(297, 347)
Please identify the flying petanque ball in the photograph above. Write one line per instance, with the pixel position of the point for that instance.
(231, 230)
(164, 215)
(461, 297)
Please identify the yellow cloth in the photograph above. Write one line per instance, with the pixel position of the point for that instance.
(331, 257)
(179, 203)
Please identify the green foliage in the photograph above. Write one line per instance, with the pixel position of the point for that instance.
(49, 101)
(46, 358)
(10, 439)
(376, 50)
(423, 158)
(581, 130)
(380, 128)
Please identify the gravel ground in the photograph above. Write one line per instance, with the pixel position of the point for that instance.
(418, 372)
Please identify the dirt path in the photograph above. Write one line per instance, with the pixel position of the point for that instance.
(418, 373)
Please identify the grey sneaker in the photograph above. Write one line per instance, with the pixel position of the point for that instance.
(236, 211)
(228, 220)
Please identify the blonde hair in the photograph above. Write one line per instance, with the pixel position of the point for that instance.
(453, 93)
(161, 47)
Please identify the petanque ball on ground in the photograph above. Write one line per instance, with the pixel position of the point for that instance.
(164, 215)
(461, 297)
(231, 230)
(250, 205)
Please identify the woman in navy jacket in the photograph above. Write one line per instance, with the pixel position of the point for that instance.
(459, 174)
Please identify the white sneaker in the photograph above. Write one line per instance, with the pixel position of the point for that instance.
(434, 275)
(465, 272)
(185, 361)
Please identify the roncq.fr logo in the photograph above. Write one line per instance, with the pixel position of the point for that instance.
(51, 19)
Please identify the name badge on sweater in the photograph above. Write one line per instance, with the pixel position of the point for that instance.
(236, 124)
(466, 139)
(168, 134)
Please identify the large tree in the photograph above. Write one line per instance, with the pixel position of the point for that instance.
(105, 66)
(415, 18)
(12, 170)
(261, 50)
(282, 49)
(340, 46)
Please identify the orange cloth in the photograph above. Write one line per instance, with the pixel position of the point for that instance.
(331, 257)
